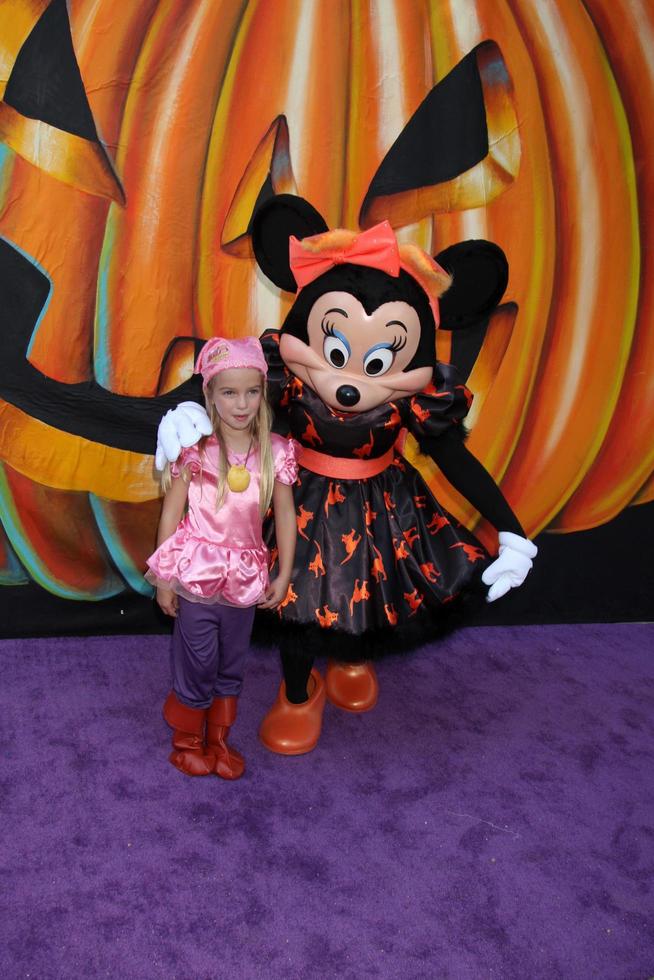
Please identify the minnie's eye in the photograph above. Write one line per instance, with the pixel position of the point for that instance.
(336, 350)
(378, 361)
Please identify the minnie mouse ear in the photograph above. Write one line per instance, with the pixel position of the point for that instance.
(480, 272)
(273, 224)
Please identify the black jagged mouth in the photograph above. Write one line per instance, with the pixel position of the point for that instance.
(85, 408)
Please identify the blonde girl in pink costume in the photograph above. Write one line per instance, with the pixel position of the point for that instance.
(211, 564)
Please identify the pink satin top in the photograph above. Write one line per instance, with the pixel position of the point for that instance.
(219, 555)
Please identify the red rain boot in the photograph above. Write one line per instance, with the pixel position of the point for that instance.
(229, 763)
(189, 754)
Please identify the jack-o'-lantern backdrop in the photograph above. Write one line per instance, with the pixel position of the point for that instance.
(135, 142)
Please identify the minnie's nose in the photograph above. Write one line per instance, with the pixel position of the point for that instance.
(347, 395)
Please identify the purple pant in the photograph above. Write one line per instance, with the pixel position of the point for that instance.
(210, 645)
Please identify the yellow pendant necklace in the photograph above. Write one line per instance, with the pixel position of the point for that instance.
(238, 475)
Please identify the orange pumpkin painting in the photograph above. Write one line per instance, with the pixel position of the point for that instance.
(125, 214)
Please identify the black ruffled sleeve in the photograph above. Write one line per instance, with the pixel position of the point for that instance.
(442, 404)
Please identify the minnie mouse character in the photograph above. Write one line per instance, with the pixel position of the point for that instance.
(379, 563)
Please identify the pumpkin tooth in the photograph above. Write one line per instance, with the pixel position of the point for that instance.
(54, 535)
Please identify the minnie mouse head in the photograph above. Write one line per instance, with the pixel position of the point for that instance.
(362, 329)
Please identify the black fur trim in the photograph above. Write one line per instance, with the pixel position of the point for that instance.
(311, 642)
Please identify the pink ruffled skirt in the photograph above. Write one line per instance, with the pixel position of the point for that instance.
(202, 571)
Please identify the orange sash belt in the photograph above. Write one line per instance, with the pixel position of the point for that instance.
(343, 469)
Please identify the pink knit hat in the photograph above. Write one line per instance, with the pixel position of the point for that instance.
(220, 354)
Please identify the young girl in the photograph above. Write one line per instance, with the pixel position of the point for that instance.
(211, 565)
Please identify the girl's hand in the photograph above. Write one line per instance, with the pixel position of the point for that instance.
(275, 593)
(168, 601)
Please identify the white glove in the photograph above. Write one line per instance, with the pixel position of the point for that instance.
(181, 426)
(511, 567)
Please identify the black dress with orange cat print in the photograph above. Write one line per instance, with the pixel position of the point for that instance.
(395, 556)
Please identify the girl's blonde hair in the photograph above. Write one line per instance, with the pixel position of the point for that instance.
(261, 426)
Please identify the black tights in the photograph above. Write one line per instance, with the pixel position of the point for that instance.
(296, 665)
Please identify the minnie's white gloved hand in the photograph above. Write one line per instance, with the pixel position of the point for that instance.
(180, 427)
(511, 567)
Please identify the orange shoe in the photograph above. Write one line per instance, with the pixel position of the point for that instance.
(293, 729)
(352, 687)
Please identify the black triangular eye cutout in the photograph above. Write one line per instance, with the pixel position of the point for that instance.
(480, 275)
(45, 82)
(446, 136)
(272, 226)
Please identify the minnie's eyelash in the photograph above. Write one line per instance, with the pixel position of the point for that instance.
(329, 330)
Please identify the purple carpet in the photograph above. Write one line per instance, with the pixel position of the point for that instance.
(491, 818)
